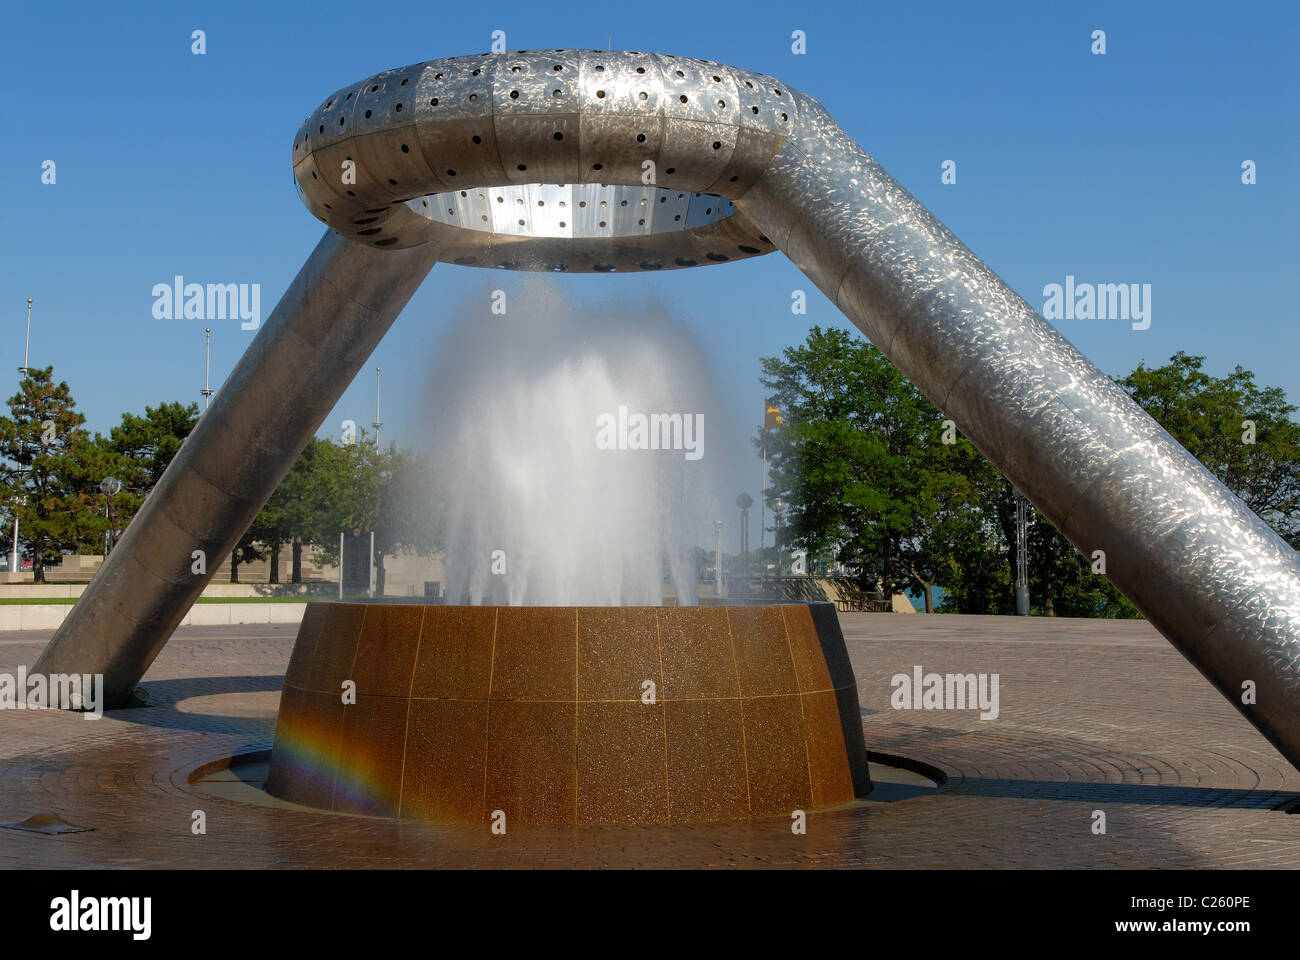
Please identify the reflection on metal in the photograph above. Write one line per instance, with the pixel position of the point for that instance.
(1203, 568)
(565, 160)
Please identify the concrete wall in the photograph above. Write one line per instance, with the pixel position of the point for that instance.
(47, 616)
(28, 591)
(404, 576)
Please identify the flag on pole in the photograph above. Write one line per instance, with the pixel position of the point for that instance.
(772, 417)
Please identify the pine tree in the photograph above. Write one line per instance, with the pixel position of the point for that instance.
(52, 471)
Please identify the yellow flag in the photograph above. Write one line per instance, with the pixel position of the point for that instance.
(772, 417)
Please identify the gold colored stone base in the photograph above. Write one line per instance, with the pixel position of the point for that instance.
(563, 715)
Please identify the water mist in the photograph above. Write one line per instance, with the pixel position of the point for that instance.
(543, 507)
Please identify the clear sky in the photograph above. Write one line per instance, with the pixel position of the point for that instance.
(1122, 168)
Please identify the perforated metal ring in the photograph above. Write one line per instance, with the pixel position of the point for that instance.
(566, 160)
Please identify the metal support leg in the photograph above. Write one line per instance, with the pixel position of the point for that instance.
(325, 327)
(1202, 567)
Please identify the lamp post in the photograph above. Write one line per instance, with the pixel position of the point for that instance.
(717, 558)
(778, 514)
(13, 557)
(1022, 555)
(744, 502)
(762, 513)
(28, 342)
(207, 367)
(110, 487)
(378, 423)
(771, 420)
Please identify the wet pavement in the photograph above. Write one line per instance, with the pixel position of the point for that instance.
(1093, 717)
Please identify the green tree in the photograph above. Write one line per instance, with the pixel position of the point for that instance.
(1061, 581)
(53, 470)
(292, 516)
(250, 547)
(336, 487)
(141, 447)
(950, 518)
(408, 515)
(152, 441)
(860, 459)
(295, 509)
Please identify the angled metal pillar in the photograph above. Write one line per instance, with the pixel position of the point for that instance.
(603, 161)
(330, 319)
(1200, 565)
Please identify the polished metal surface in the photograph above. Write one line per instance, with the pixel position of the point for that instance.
(562, 160)
(475, 136)
(1202, 567)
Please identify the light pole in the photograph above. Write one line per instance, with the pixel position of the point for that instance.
(762, 513)
(1022, 555)
(207, 367)
(110, 486)
(744, 501)
(717, 558)
(28, 342)
(378, 423)
(778, 514)
(771, 420)
(13, 557)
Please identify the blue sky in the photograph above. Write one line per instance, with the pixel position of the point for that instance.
(1117, 168)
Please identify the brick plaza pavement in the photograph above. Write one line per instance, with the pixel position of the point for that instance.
(1094, 715)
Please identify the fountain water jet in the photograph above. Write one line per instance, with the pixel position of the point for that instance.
(537, 513)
